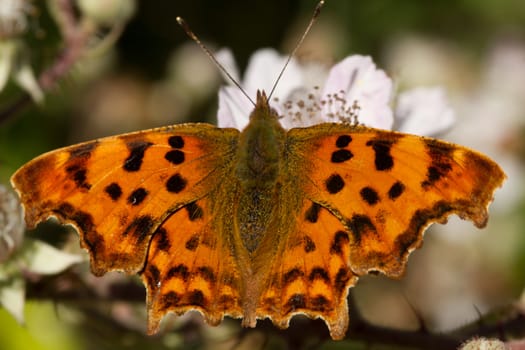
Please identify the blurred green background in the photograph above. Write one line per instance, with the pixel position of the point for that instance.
(475, 49)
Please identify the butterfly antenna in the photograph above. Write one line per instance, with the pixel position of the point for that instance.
(194, 37)
(317, 11)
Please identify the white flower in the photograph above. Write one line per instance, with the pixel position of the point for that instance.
(263, 68)
(357, 79)
(298, 97)
(424, 111)
(310, 94)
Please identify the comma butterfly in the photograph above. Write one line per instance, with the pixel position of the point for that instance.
(263, 223)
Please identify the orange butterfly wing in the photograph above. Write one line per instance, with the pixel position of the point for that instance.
(365, 197)
(123, 192)
(387, 187)
(310, 273)
(190, 266)
(162, 203)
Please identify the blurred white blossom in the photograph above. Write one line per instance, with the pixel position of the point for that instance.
(309, 94)
(13, 17)
(19, 255)
(424, 111)
(12, 224)
(484, 344)
(15, 64)
(108, 12)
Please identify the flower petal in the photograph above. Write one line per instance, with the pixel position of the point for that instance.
(261, 74)
(44, 259)
(225, 57)
(12, 224)
(424, 111)
(358, 79)
(26, 79)
(234, 108)
(12, 297)
(264, 68)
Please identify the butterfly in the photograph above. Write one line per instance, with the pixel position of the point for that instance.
(263, 223)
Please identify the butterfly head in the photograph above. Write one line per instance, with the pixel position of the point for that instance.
(263, 110)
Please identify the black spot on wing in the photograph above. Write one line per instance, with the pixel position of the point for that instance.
(176, 142)
(296, 301)
(441, 156)
(136, 155)
(180, 271)
(334, 183)
(369, 195)
(114, 191)
(340, 239)
(175, 157)
(162, 239)
(140, 227)
(292, 275)
(341, 279)
(320, 303)
(176, 183)
(343, 141)
(192, 243)
(207, 273)
(341, 156)
(196, 298)
(312, 214)
(360, 225)
(137, 196)
(383, 159)
(195, 212)
(152, 274)
(82, 151)
(78, 175)
(319, 273)
(309, 245)
(396, 190)
(170, 299)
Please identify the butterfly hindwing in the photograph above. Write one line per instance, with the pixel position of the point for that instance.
(310, 274)
(189, 267)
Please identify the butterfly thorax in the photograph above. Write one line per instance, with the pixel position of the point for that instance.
(257, 170)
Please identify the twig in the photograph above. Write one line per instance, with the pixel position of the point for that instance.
(69, 288)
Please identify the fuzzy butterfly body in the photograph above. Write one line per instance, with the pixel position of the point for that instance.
(263, 223)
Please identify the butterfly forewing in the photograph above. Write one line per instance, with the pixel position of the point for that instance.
(118, 190)
(387, 187)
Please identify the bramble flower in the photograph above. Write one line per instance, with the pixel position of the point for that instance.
(309, 94)
(423, 111)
